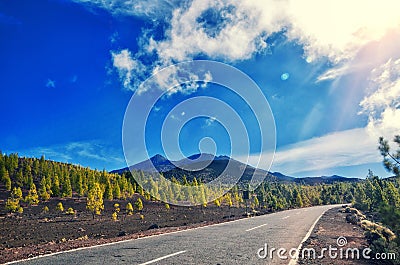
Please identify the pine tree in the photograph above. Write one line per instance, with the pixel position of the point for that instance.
(123, 183)
(391, 161)
(140, 190)
(43, 190)
(230, 203)
(94, 202)
(361, 201)
(12, 203)
(32, 197)
(184, 181)
(55, 188)
(298, 202)
(66, 187)
(17, 193)
(6, 179)
(256, 202)
(139, 205)
(108, 195)
(79, 185)
(27, 172)
(153, 190)
(19, 179)
(393, 195)
(131, 190)
(305, 199)
(116, 190)
(273, 203)
(194, 182)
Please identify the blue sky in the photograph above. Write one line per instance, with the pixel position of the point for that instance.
(330, 72)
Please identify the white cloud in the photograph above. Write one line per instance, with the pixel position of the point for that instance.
(50, 83)
(334, 29)
(338, 29)
(152, 9)
(334, 73)
(345, 148)
(356, 146)
(114, 37)
(172, 79)
(234, 30)
(173, 117)
(70, 151)
(210, 121)
(383, 102)
(73, 79)
(385, 88)
(128, 68)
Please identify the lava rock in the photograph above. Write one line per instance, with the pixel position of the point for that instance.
(122, 233)
(153, 226)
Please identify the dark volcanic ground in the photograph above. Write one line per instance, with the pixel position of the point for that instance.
(329, 228)
(35, 232)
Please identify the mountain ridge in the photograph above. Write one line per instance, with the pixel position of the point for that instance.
(206, 167)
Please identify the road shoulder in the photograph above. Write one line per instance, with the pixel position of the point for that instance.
(331, 226)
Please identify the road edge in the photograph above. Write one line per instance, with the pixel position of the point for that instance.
(294, 261)
(174, 232)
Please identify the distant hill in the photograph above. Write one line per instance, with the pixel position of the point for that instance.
(207, 167)
(216, 167)
(157, 163)
(324, 179)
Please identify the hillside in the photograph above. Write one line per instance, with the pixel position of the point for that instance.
(209, 167)
(31, 190)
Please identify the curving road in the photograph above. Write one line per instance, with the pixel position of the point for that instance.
(236, 242)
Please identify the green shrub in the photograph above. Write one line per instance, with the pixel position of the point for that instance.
(12, 205)
(129, 209)
(60, 207)
(115, 216)
(139, 205)
(70, 211)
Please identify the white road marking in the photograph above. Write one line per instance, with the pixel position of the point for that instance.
(255, 227)
(141, 238)
(163, 257)
(127, 240)
(286, 217)
(298, 213)
(293, 261)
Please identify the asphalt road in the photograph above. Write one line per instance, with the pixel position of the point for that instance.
(236, 242)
